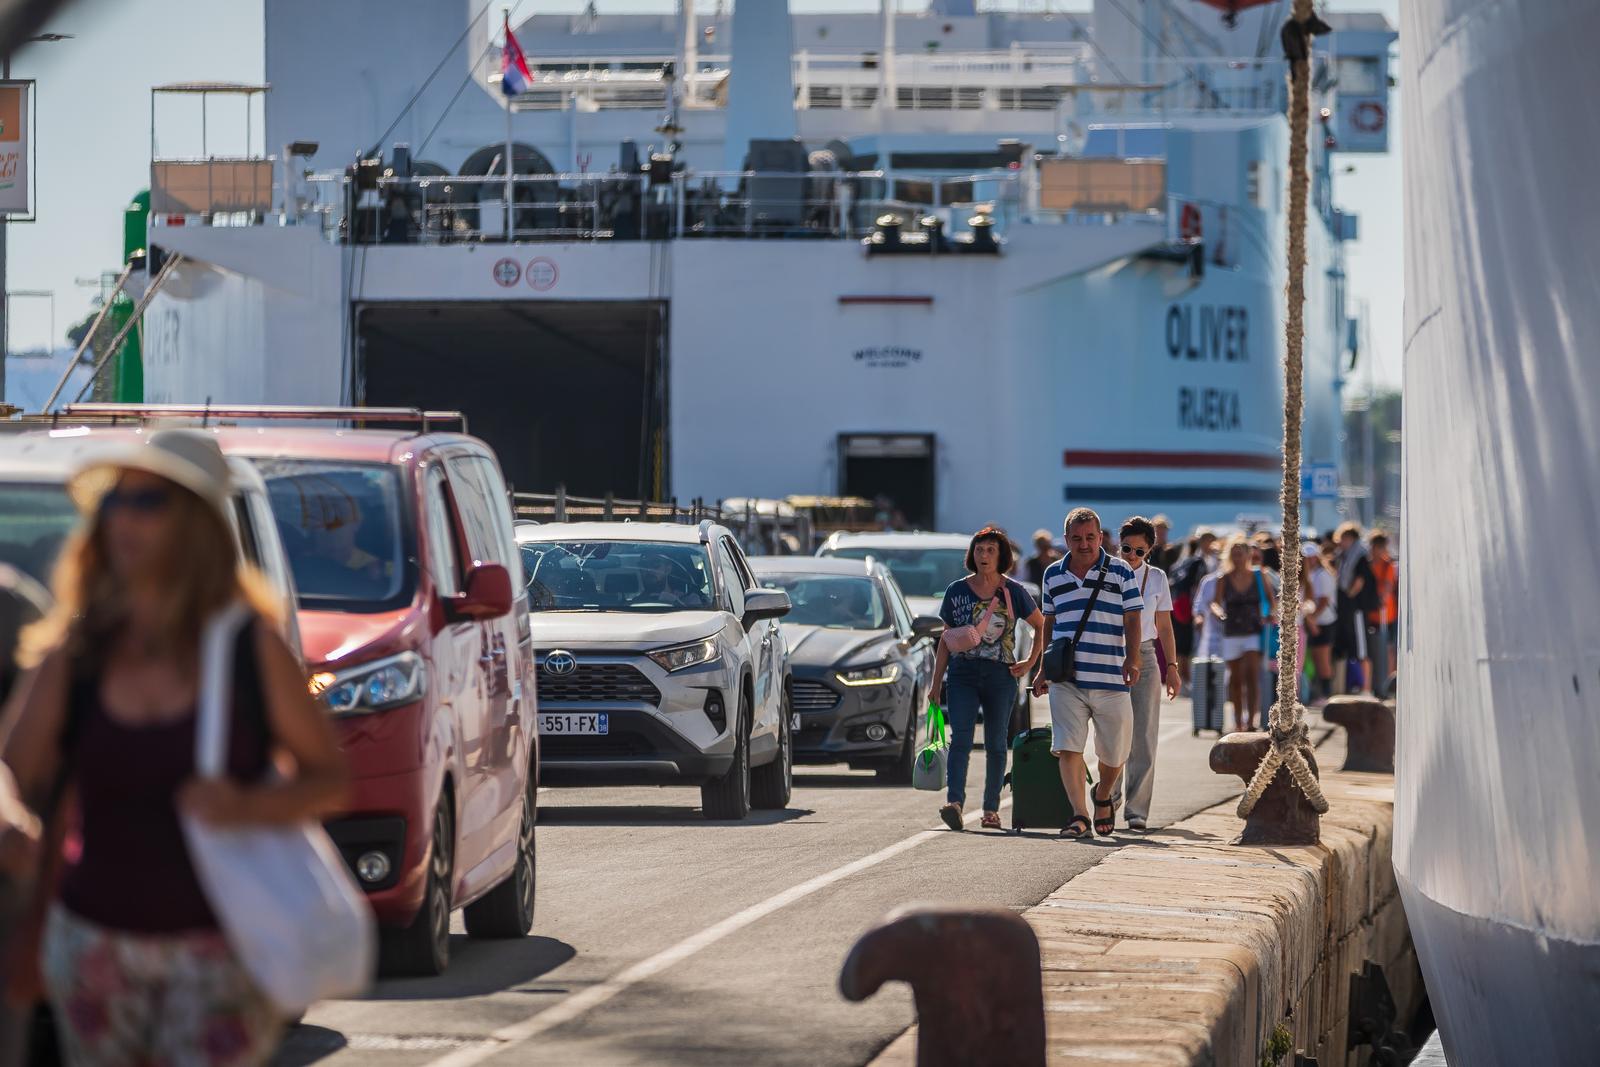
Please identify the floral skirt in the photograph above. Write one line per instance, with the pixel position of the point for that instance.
(179, 1000)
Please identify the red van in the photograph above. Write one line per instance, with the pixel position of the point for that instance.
(414, 621)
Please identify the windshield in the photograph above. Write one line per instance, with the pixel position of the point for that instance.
(920, 571)
(831, 600)
(617, 576)
(34, 520)
(342, 529)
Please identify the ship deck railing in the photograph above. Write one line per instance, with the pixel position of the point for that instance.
(1069, 76)
(682, 204)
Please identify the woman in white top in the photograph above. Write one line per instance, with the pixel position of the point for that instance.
(1155, 670)
(1322, 611)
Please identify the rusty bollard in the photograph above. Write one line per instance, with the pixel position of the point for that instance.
(975, 974)
(1283, 816)
(1369, 732)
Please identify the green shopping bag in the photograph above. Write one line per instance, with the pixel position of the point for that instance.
(928, 771)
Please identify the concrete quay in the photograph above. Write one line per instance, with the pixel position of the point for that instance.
(1184, 949)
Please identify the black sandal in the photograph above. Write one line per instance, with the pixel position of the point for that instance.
(1081, 825)
(1107, 826)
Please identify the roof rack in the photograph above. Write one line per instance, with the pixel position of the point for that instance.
(426, 420)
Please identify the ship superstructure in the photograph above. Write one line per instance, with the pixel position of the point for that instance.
(977, 265)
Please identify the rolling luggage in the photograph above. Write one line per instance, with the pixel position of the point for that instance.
(1208, 689)
(1037, 799)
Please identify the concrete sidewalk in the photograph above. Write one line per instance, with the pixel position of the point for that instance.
(1183, 949)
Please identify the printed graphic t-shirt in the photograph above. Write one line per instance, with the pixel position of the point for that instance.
(962, 607)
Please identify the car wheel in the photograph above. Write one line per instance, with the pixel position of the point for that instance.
(422, 949)
(507, 909)
(899, 772)
(772, 785)
(728, 797)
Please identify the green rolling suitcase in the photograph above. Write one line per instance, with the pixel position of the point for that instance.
(1038, 800)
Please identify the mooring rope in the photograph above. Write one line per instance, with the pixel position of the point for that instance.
(1286, 724)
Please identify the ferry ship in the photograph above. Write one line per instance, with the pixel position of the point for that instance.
(978, 265)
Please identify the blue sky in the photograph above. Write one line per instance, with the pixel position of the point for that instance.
(94, 145)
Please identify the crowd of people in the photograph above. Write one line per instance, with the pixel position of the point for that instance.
(1129, 615)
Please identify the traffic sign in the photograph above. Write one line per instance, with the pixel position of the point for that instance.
(1319, 481)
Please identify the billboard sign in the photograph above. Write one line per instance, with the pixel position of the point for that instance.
(16, 162)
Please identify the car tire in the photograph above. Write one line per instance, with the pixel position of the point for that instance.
(422, 950)
(506, 911)
(772, 785)
(899, 772)
(728, 797)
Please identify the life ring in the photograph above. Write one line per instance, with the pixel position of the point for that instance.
(1369, 116)
(1189, 223)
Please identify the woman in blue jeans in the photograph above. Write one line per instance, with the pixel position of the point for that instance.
(985, 675)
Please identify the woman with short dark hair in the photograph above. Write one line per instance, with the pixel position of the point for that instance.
(985, 675)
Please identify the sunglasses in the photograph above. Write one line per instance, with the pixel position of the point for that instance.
(1129, 549)
(141, 501)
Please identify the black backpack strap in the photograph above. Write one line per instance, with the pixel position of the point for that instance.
(249, 691)
(1088, 609)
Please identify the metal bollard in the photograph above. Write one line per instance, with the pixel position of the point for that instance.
(976, 978)
(1369, 731)
(1283, 816)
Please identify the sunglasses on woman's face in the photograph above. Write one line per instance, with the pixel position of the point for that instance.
(1130, 550)
(140, 501)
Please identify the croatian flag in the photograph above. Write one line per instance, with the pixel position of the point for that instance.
(515, 78)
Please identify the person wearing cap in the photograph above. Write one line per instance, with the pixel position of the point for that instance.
(132, 958)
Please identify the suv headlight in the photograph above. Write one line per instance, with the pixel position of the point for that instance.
(679, 657)
(877, 674)
(375, 686)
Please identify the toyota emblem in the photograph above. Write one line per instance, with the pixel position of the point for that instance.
(560, 663)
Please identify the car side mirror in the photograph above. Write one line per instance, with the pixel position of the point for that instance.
(764, 604)
(927, 626)
(487, 594)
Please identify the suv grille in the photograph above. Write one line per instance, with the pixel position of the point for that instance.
(813, 696)
(599, 683)
(621, 745)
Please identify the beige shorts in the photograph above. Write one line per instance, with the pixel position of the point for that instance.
(1071, 710)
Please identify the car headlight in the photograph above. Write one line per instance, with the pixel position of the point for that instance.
(678, 657)
(877, 674)
(375, 686)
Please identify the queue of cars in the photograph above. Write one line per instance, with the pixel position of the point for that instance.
(466, 656)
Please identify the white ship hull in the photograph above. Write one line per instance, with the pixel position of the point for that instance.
(1497, 847)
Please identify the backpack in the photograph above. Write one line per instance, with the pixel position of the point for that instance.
(1185, 579)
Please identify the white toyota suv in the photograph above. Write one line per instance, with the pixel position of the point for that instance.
(660, 661)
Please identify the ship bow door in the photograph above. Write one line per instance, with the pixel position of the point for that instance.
(895, 470)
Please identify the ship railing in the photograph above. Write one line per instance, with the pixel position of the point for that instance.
(597, 207)
(1020, 78)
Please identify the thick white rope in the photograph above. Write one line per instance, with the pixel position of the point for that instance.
(1286, 719)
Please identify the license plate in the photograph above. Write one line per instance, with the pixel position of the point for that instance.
(794, 720)
(585, 723)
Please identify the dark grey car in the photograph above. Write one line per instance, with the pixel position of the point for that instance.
(860, 662)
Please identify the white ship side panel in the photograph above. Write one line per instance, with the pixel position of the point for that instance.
(1496, 843)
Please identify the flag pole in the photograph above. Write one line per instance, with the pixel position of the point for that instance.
(510, 157)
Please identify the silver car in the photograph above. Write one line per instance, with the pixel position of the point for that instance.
(660, 661)
(861, 663)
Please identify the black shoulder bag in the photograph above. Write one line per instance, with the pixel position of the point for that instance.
(1060, 663)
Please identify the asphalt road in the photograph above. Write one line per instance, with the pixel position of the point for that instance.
(661, 938)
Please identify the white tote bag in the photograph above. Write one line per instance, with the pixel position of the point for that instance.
(285, 901)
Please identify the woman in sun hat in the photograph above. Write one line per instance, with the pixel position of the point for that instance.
(133, 961)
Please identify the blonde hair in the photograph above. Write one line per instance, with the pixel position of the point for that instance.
(91, 602)
(1240, 541)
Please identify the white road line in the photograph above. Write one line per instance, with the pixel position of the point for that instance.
(578, 1004)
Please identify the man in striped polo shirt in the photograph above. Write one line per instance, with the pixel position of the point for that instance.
(1106, 662)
